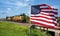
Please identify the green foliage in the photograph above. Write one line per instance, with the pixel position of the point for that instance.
(59, 19)
(36, 32)
(27, 19)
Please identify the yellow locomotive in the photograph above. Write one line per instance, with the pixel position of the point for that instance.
(17, 18)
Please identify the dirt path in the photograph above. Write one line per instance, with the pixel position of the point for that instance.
(22, 24)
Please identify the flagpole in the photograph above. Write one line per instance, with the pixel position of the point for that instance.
(31, 26)
(30, 22)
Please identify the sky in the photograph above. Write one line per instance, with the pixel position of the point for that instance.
(17, 7)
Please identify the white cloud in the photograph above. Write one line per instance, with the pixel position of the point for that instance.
(16, 3)
(21, 4)
(8, 10)
(26, 0)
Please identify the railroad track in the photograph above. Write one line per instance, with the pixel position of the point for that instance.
(22, 24)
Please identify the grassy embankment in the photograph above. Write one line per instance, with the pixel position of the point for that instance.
(10, 29)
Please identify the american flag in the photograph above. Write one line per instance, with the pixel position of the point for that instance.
(44, 15)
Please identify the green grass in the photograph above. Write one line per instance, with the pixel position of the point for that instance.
(10, 29)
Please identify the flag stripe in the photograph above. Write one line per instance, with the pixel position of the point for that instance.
(52, 15)
(42, 16)
(47, 13)
(48, 10)
(43, 6)
(51, 8)
(53, 22)
(40, 24)
(43, 22)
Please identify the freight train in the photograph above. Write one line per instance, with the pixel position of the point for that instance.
(17, 18)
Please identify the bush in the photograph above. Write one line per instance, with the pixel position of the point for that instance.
(36, 32)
